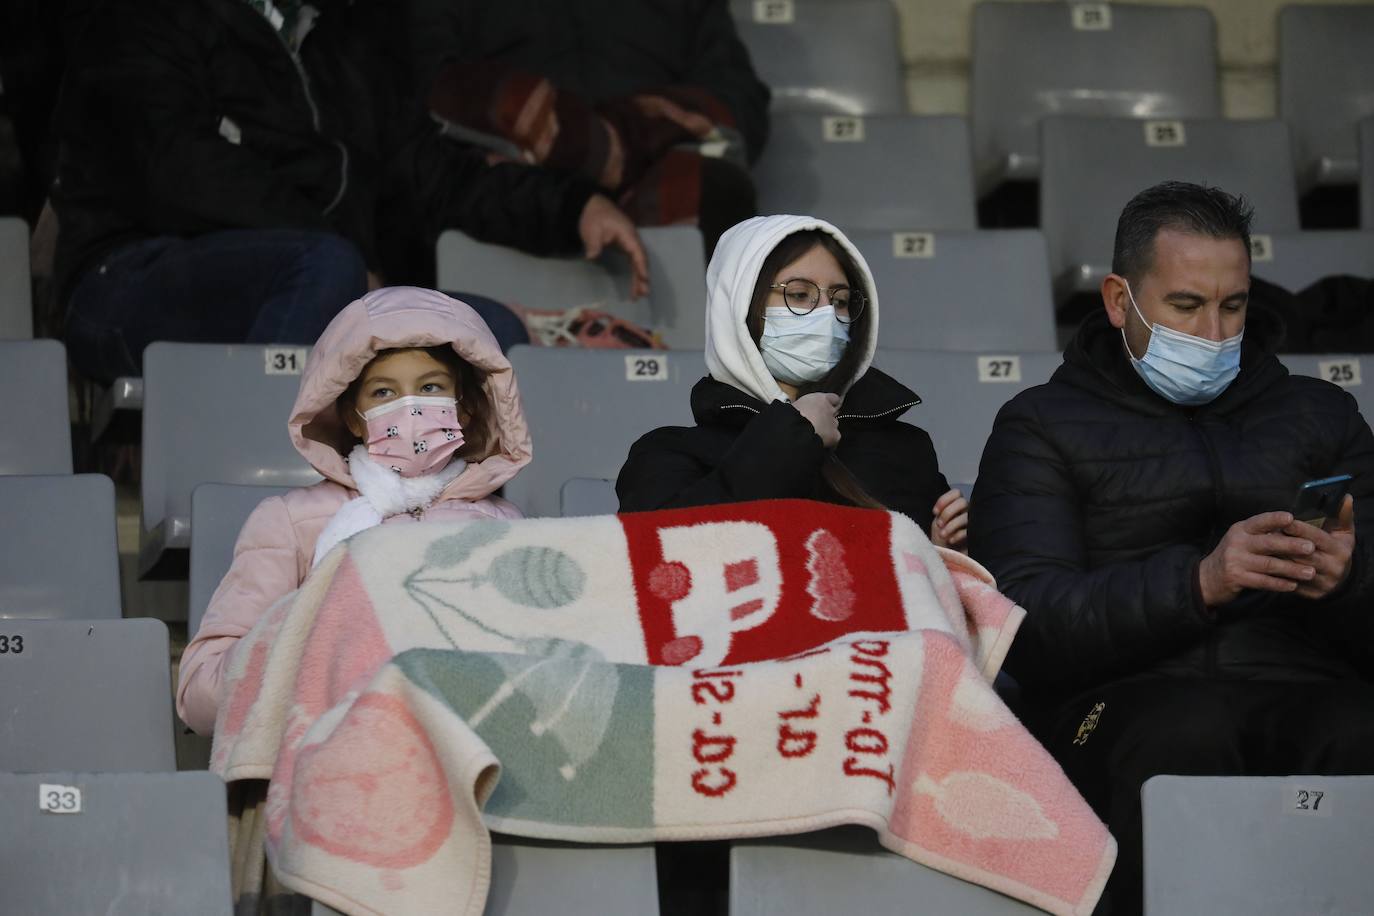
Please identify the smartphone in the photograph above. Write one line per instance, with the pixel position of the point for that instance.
(1318, 500)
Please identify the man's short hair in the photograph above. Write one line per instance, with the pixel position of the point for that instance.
(1178, 205)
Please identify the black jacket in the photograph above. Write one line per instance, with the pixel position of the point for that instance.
(601, 49)
(1096, 500)
(743, 449)
(182, 117)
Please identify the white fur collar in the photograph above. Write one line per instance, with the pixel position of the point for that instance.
(390, 493)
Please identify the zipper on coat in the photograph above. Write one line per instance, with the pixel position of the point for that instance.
(315, 118)
(1214, 469)
(875, 416)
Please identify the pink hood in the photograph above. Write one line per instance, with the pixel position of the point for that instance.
(407, 316)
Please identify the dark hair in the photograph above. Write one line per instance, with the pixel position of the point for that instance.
(838, 477)
(473, 409)
(1178, 205)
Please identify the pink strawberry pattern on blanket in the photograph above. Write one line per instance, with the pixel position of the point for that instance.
(739, 670)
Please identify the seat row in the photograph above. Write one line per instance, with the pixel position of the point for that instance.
(1031, 60)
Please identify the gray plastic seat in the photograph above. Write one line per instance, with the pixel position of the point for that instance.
(1326, 85)
(1344, 369)
(824, 57)
(85, 695)
(874, 172)
(59, 556)
(38, 437)
(587, 407)
(16, 291)
(1036, 59)
(583, 496)
(965, 291)
(844, 870)
(218, 511)
(677, 280)
(211, 414)
(960, 396)
(143, 844)
(1093, 166)
(1263, 846)
(1295, 260)
(1367, 173)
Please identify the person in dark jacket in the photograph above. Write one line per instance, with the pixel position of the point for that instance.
(792, 408)
(235, 170)
(658, 103)
(1179, 618)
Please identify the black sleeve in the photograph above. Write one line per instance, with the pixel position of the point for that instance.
(896, 464)
(719, 63)
(142, 85)
(1082, 624)
(1349, 607)
(777, 455)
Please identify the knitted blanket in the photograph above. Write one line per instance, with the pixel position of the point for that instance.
(730, 671)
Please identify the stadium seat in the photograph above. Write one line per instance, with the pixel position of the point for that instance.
(218, 511)
(1344, 369)
(39, 438)
(1326, 85)
(1367, 173)
(213, 413)
(823, 57)
(16, 296)
(1260, 846)
(141, 844)
(59, 557)
(844, 870)
(1093, 166)
(85, 695)
(960, 396)
(587, 407)
(583, 496)
(874, 172)
(961, 290)
(677, 280)
(1093, 59)
(1295, 260)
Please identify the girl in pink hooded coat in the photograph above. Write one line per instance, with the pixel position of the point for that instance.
(410, 411)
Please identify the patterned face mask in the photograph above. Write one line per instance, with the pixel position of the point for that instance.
(414, 435)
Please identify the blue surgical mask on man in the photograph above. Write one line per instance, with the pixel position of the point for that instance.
(800, 349)
(1184, 369)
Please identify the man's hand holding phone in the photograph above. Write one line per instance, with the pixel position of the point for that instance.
(1334, 544)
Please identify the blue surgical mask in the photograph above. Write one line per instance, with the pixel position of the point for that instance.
(1184, 369)
(800, 349)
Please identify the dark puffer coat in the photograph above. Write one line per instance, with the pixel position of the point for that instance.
(743, 449)
(1097, 499)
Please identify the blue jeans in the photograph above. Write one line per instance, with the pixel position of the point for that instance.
(235, 286)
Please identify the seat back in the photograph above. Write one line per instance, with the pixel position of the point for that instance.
(961, 290)
(582, 496)
(1343, 369)
(1326, 85)
(218, 511)
(844, 870)
(1367, 173)
(960, 396)
(1091, 59)
(675, 307)
(142, 844)
(1081, 197)
(874, 172)
(40, 440)
(1257, 845)
(1295, 260)
(85, 695)
(59, 557)
(821, 57)
(585, 409)
(16, 296)
(213, 413)
(534, 876)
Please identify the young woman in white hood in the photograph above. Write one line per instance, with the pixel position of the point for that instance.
(792, 407)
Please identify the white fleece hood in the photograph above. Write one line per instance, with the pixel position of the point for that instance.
(731, 355)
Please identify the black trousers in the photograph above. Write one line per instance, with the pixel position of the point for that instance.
(1198, 727)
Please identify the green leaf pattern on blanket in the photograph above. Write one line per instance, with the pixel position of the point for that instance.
(450, 550)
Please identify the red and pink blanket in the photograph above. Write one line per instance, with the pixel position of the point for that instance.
(731, 671)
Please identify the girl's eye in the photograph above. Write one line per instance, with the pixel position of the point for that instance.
(800, 298)
(430, 387)
(381, 393)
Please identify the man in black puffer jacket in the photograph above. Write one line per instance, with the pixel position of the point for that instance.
(1179, 619)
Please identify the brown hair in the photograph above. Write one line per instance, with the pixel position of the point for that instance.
(838, 478)
(474, 410)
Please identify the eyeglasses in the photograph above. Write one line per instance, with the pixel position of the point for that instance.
(802, 296)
